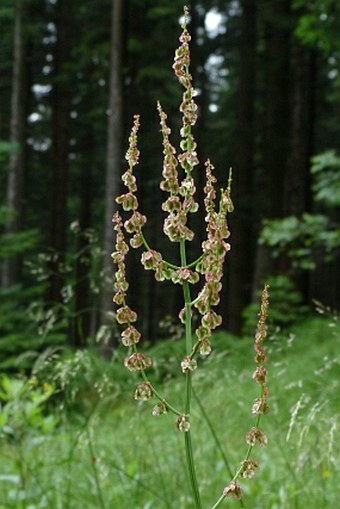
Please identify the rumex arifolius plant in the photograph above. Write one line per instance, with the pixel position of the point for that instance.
(179, 204)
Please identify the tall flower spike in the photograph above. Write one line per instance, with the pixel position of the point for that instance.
(260, 405)
(118, 256)
(132, 154)
(214, 249)
(188, 159)
(182, 55)
(132, 157)
(175, 224)
(170, 163)
(129, 200)
(261, 330)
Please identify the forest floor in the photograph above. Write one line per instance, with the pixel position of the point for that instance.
(92, 446)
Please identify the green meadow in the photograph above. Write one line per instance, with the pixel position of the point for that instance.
(73, 437)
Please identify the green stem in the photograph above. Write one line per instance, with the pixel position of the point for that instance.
(148, 248)
(219, 501)
(171, 265)
(188, 384)
(213, 433)
(191, 468)
(70, 457)
(217, 441)
(247, 456)
(159, 396)
(95, 470)
(195, 262)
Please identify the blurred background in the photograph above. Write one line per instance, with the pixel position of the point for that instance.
(73, 74)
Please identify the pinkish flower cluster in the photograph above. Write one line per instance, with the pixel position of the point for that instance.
(182, 56)
(249, 468)
(214, 249)
(143, 391)
(256, 436)
(184, 274)
(137, 361)
(130, 335)
(159, 409)
(129, 201)
(260, 405)
(118, 256)
(188, 364)
(233, 490)
(153, 260)
(188, 106)
(170, 174)
(183, 424)
(181, 200)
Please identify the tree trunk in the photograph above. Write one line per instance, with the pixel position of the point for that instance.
(60, 149)
(276, 126)
(297, 188)
(240, 259)
(14, 196)
(114, 149)
(297, 183)
(82, 290)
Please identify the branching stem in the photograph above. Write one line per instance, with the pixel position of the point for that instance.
(188, 383)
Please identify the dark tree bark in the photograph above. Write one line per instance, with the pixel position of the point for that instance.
(114, 148)
(15, 182)
(82, 290)
(60, 148)
(276, 125)
(297, 185)
(240, 264)
(296, 198)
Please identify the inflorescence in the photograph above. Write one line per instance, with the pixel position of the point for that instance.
(179, 185)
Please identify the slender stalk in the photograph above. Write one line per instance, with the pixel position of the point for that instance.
(219, 501)
(247, 456)
(67, 498)
(136, 481)
(213, 433)
(95, 470)
(217, 441)
(159, 396)
(188, 384)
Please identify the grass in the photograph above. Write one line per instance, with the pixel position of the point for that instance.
(109, 452)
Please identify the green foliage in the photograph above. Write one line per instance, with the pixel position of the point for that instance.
(299, 467)
(319, 24)
(326, 186)
(26, 419)
(6, 11)
(17, 333)
(303, 238)
(6, 149)
(17, 243)
(27, 326)
(23, 408)
(300, 238)
(80, 377)
(286, 307)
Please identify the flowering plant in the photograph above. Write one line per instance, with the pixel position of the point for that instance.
(179, 185)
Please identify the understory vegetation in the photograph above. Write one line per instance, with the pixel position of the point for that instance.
(72, 436)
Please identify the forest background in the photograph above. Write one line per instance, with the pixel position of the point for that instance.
(72, 77)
